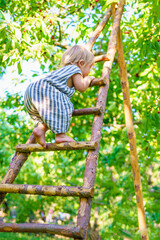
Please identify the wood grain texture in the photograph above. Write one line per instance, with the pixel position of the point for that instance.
(66, 231)
(64, 191)
(131, 136)
(56, 146)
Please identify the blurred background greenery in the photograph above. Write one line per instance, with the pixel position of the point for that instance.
(35, 33)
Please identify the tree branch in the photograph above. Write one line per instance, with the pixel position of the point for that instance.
(120, 125)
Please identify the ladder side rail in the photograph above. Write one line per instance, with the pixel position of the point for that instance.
(15, 166)
(92, 157)
(131, 137)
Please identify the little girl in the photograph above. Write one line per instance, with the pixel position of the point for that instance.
(48, 100)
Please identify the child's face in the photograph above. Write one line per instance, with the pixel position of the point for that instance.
(85, 69)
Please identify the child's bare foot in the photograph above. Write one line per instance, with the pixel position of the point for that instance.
(61, 137)
(39, 133)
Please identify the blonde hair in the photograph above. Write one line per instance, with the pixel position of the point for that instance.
(76, 53)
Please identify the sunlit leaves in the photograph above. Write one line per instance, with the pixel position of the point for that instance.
(41, 30)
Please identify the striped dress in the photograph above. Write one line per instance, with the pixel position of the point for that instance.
(48, 99)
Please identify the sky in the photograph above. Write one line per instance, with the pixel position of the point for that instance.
(11, 80)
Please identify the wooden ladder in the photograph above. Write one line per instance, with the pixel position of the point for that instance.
(85, 192)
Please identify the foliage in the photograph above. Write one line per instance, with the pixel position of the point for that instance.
(25, 236)
(41, 30)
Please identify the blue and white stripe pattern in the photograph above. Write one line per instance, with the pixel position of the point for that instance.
(48, 99)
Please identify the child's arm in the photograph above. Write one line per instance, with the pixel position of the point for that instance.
(80, 83)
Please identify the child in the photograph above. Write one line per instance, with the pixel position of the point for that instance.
(48, 100)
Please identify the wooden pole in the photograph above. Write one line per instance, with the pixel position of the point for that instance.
(92, 157)
(73, 232)
(64, 191)
(131, 137)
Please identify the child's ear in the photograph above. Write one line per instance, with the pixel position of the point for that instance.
(81, 63)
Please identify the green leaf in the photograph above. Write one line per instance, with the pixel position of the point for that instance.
(112, 1)
(2, 26)
(158, 62)
(19, 66)
(2, 17)
(5, 57)
(114, 187)
(146, 71)
(18, 34)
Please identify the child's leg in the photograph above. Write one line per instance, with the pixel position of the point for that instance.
(62, 137)
(39, 133)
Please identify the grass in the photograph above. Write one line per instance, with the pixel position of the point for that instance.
(26, 236)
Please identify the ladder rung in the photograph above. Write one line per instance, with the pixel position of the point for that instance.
(56, 146)
(98, 81)
(74, 232)
(102, 58)
(87, 111)
(47, 190)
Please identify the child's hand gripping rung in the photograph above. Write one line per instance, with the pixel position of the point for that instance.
(98, 82)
